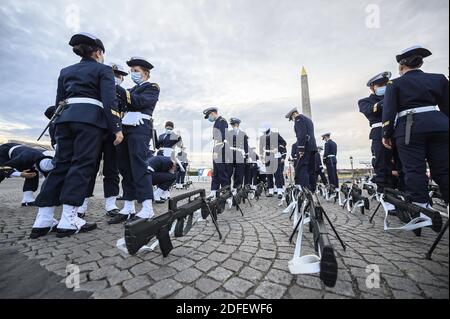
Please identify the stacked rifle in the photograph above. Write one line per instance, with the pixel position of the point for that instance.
(305, 208)
(179, 219)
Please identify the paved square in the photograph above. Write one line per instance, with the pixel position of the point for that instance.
(250, 261)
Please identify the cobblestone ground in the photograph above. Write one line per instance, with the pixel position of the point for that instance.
(250, 262)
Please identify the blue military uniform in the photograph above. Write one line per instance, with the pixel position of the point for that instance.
(251, 168)
(306, 144)
(87, 88)
(181, 170)
(153, 146)
(330, 160)
(319, 172)
(238, 141)
(273, 146)
(134, 151)
(415, 115)
(160, 168)
(167, 142)
(372, 108)
(23, 158)
(220, 177)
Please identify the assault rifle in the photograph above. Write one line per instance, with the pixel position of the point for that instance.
(358, 200)
(406, 211)
(309, 205)
(57, 113)
(139, 232)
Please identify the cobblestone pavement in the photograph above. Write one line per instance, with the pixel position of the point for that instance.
(250, 262)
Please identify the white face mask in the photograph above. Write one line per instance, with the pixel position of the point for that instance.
(118, 81)
(380, 91)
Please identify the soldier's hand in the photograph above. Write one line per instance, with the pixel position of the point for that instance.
(395, 174)
(387, 142)
(301, 154)
(119, 138)
(28, 174)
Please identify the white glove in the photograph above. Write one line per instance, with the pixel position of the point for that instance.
(132, 119)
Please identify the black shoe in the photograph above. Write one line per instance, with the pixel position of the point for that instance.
(328, 267)
(160, 201)
(30, 204)
(280, 197)
(269, 195)
(120, 198)
(81, 215)
(112, 213)
(134, 218)
(41, 232)
(120, 218)
(61, 233)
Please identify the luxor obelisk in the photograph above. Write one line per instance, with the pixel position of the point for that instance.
(306, 102)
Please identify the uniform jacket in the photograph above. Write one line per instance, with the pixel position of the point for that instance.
(372, 108)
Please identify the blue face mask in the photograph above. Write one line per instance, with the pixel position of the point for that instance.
(136, 77)
(168, 131)
(380, 91)
(211, 118)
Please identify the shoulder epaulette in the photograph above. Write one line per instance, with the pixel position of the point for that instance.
(156, 86)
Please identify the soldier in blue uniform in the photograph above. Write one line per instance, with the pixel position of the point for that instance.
(139, 104)
(27, 163)
(330, 160)
(88, 92)
(420, 103)
(163, 175)
(110, 168)
(372, 108)
(182, 165)
(220, 177)
(251, 169)
(273, 147)
(168, 141)
(306, 149)
(319, 171)
(238, 141)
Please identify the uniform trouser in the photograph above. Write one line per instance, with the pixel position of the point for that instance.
(110, 170)
(382, 165)
(163, 180)
(311, 169)
(332, 171)
(323, 177)
(431, 148)
(237, 171)
(302, 170)
(31, 184)
(220, 177)
(279, 179)
(181, 175)
(251, 172)
(133, 166)
(76, 159)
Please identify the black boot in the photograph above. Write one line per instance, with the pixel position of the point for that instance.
(120, 218)
(112, 213)
(61, 233)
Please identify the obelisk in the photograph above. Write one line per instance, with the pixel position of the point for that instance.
(306, 102)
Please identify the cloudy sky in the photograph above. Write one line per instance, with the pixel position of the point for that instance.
(243, 56)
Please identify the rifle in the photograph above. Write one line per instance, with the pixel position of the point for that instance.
(139, 232)
(243, 194)
(260, 188)
(358, 200)
(59, 110)
(404, 206)
(310, 205)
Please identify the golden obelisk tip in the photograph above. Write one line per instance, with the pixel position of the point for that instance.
(304, 71)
